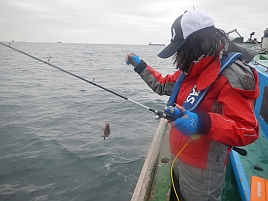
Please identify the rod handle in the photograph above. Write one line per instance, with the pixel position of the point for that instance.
(241, 151)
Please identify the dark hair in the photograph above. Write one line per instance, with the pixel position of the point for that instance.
(206, 42)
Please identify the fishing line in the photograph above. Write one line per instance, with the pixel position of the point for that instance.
(171, 168)
(158, 114)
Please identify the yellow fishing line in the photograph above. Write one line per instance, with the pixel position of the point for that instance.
(193, 137)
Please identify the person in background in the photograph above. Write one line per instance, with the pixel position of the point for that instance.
(214, 90)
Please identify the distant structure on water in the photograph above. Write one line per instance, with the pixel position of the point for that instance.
(156, 44)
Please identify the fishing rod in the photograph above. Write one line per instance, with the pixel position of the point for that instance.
(159, 114)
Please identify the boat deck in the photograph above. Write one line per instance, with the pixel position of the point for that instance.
(254, 164)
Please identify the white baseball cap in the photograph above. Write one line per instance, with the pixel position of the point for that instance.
(183, 27)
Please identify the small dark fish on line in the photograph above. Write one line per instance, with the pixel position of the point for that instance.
(106, 130)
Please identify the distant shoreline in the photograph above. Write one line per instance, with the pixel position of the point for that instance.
(156, 44)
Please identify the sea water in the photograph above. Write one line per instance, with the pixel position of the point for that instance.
(50, 122)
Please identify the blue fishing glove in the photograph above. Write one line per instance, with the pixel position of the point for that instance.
(133, 59)
(188, 123)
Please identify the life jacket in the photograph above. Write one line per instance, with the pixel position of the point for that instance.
(196, 98)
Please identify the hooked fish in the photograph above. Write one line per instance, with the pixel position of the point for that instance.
(106, 130)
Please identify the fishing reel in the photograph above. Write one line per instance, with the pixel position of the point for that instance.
(170, 113)
(160, 114)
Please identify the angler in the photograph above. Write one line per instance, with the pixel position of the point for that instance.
(216, 105)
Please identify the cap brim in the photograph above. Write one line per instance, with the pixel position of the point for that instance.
(170, 49)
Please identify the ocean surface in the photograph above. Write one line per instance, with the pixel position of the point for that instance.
(50, 122)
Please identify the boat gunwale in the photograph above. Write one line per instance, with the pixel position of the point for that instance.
(145, 181)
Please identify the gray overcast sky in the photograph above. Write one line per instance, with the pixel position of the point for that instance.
(120, 21)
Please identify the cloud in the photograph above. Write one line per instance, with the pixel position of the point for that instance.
(119, 21)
